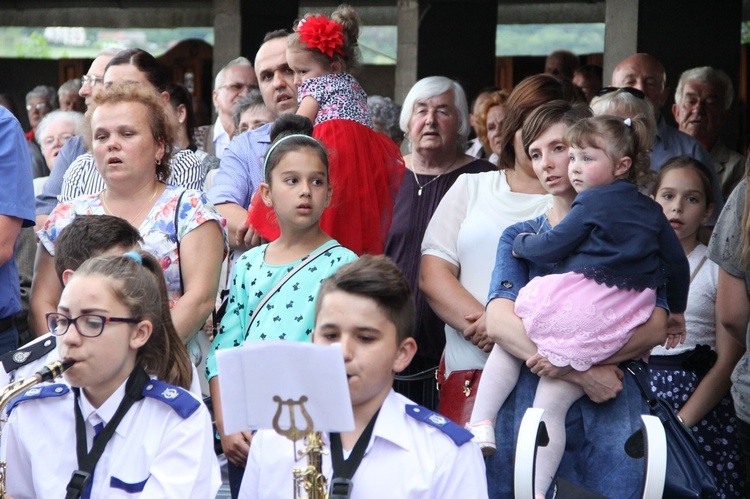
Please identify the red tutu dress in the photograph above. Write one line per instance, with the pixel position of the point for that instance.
(365, 171)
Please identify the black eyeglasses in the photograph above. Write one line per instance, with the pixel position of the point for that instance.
(90, 325)
(632, 91)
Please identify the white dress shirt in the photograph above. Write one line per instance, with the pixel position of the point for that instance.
(405, 458)
(154, 452)
(221, 139)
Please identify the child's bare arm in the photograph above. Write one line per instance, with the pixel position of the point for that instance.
(308, 108)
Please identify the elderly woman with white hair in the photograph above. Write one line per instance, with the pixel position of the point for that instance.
(435, 119)
(52, 133)
(460, 243)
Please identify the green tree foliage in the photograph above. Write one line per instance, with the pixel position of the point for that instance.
(33, 47)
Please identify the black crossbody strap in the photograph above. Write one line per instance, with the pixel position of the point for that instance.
(283, 280)
(87, 460)
(344, 469)
(177, 240)
(644, 383)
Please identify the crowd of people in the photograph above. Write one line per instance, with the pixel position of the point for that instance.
(574, 234)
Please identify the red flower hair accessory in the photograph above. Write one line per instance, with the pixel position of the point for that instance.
(321, 33)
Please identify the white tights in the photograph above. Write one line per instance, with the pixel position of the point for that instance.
(499, 377)
(555, 396)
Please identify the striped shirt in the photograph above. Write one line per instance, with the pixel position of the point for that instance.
(83, 178)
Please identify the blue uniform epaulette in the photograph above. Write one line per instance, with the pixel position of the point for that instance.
(28, 354)
(459, 435)
(39, 392)
(175, 397)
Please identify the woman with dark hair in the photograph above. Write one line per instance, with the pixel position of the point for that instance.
(134, 66)
(458, 250)
(597, 425)
(129, 61)
(181, 106)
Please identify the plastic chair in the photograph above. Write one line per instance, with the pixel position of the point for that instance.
(533, 434)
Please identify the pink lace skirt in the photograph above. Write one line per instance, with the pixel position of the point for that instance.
(577, 322)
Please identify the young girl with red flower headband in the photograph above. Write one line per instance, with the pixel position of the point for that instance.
(366, 167)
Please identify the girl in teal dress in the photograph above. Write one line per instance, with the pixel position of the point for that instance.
(272, 293)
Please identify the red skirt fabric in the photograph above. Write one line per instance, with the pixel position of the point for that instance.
(365, 172)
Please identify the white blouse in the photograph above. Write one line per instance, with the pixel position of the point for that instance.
(464, 231)
(700, 315)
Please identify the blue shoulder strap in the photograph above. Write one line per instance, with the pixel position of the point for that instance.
(459, 435)
(175, 397)
(39, 392)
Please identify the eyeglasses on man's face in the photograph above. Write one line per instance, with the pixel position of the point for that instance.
(91, 80)
(237, 87)
(88, 325)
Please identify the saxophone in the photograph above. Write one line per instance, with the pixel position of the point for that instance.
(309, 478)
(47, 373)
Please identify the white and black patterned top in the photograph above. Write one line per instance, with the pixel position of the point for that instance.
(339, 96)
(83, 178)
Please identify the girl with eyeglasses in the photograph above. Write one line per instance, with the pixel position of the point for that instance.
(126, 423)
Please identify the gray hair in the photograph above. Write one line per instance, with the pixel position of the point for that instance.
(385, 112)
(69, 87)
(240, 61)
(74, 117)
(252, 99)
(433, 86)
(625, 105)
(46, 92)
(706, 74)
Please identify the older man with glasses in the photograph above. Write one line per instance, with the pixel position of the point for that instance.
(91, 83)
(645, 73)
(232, 82)
(702, 101)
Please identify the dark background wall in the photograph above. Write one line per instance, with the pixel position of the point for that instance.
(19, 76)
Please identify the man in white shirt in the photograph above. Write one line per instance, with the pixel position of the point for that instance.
(232, 82)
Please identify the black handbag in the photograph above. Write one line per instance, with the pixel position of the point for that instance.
(687, 476)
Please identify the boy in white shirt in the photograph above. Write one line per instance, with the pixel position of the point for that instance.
(409, 451)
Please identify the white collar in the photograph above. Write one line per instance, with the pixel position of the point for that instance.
(219, 131)
(106, 411)
(390, 423)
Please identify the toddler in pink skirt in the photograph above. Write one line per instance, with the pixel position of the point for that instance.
(611, 252)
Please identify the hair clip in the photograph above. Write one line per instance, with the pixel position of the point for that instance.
(134, 255)
(628, 122)
(322, 33)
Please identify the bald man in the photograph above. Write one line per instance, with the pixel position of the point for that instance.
(646, 73)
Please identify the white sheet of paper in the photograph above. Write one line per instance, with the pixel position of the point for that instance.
(250, 377)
